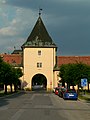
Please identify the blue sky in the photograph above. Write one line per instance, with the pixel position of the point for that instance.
(67, 21)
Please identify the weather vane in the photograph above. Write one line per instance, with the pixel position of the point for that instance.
(40, 11)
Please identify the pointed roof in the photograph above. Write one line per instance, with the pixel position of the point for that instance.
(39, 36)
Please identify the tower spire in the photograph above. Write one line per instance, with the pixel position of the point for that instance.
(40, 11)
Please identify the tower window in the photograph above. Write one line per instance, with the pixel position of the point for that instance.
(39, 65)
(39, 52)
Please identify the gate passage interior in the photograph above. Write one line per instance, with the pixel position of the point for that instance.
(39, 81)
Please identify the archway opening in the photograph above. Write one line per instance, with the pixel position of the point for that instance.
(39, 82)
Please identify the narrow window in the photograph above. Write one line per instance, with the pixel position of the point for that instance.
(39, 52)
(38, 65)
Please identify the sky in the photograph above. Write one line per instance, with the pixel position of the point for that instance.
(67, 22)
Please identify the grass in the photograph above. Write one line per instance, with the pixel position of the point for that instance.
(85, 96)
(2, 93)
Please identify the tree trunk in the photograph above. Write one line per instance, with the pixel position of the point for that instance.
(73, 87)
(5, 88)
(68, 85)
(15, 88)
(78, 89)
(11, 87)
(63, 84)
(88, 86)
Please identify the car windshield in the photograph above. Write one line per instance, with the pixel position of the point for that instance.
(71, 91)
(63, 89)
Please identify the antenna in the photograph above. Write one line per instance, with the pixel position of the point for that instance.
(40, 11)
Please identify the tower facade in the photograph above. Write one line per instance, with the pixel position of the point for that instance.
(39, 58)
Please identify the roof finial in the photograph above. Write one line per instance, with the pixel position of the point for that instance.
(40, 11)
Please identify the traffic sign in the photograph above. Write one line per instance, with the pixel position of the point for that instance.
(84, 82)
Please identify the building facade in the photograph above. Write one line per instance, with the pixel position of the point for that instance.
(39, 58)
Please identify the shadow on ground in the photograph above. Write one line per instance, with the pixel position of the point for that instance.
(5, 98)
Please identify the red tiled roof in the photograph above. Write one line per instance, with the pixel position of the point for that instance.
(14, 59)
(72, 59)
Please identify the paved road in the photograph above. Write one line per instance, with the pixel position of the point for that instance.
(42, 106)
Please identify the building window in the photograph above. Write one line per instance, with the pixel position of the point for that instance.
(39, 65)
(39, 52)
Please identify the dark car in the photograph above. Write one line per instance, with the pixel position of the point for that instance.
(57, 90)
(61, 92)
(70, 94)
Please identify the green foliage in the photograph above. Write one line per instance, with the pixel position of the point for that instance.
(19, 72)
(72, 73)
(9, 75)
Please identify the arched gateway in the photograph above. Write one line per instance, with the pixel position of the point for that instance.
(39, 81)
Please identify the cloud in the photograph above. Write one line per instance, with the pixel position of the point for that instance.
(8, 31)
(2, 1)
(19, 22)
(15, 26)
(7, 45)
(67, 21)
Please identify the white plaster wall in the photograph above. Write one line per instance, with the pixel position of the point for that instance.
(56, 79)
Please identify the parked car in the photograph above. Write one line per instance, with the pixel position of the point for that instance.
(57, 90)
(61, 92)
(37, 87)
(70, 94)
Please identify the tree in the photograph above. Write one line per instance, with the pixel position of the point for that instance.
(72, 73)
(17, 73)
(9, 75)
(5, 74)
(62, 73)
(1, 62)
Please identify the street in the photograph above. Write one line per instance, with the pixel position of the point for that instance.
(42, 106)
